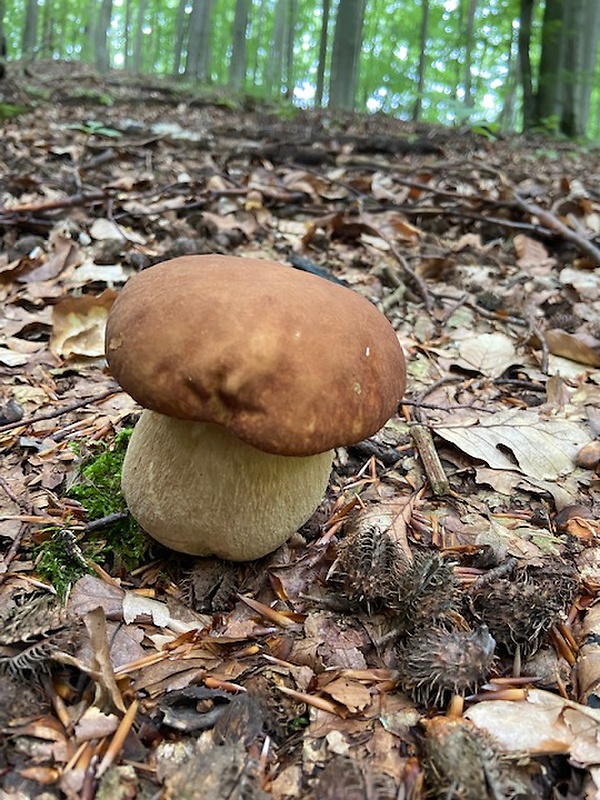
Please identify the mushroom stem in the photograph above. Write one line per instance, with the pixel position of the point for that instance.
(198, 489)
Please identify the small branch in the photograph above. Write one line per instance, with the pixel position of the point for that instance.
(551, 221)
(58, 412)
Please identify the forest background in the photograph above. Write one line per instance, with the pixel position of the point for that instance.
(509, 64)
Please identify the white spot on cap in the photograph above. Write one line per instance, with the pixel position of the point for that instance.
(368, 352)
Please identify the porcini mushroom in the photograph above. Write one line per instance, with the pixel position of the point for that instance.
(250, 373)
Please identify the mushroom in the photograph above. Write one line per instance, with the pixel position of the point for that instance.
(250, 374)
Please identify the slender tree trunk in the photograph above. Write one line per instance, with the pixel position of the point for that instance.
(323, 38)
(469, 40)
(591, 37)
(422, 59)
(506, 118)
(47, 45)
(179, 36)
(275, 64)
(525, 24)
(102, 55)
(345, 59)
(548, 97)
(290, 29)
(127, 35)
(259, 35)
(572, 22)
(237, 65)
(139, 37)
(199, 50)
(29, 39)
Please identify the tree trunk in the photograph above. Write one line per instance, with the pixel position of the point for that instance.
(525, 23)
(323, 38)
(127, 35)
(179, 36)
(275, 63)
(29, 39)
(289, 48)
(590, 39)
(199, 51)
(101, 51)
(468, 75)
(573, 26)
(422, 59)
(548, 98)
(237, 65)
(345, 59)
(139, 37)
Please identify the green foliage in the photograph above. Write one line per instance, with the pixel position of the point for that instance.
(120, 545)
(11, 110)
(95, 128)
(58, 562)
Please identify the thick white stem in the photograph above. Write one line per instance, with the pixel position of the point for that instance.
(197, 489)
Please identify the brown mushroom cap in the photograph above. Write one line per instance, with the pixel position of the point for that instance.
(288, 362)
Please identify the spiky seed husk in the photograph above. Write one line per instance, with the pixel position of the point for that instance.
(463, 763)
(520, 609)
(436, 663)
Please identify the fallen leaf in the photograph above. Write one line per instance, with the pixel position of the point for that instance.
(543, 449)
(573, 346)
(489, 353)
(78, 325)
(542, 724)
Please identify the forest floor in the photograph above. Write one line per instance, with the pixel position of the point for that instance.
(432, 630)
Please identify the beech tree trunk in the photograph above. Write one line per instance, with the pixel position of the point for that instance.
(422, 59)
(345, 59)
(525, 23)
(101, 51)
(199, 50)
(548, 97)
(237, 65)
(323, 38)
(29, 39)
(468, 75)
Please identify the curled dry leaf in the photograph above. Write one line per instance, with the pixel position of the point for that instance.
(576, 347)
(78, 325)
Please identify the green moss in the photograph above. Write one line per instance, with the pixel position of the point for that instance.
(58, 561)
(121, 544)
(118, 546)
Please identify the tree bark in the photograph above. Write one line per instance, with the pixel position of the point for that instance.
(289, 48)
(422, 59)
(29, 39)
(237, 65)
(525, 23)
(323, 38)
(548, 98)
(345, 59)
(199, 51)
(101, 51)
(469, 38)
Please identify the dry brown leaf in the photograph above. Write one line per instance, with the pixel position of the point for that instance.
(583, 350)
(530, 252)
(78, 325)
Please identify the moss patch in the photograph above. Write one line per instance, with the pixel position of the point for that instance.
(118, 546)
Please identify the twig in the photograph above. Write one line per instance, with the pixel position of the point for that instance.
(412, 275)
(551, 221)
(438, 480)
(58, 412)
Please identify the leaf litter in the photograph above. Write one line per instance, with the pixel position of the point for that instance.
(439, 607)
